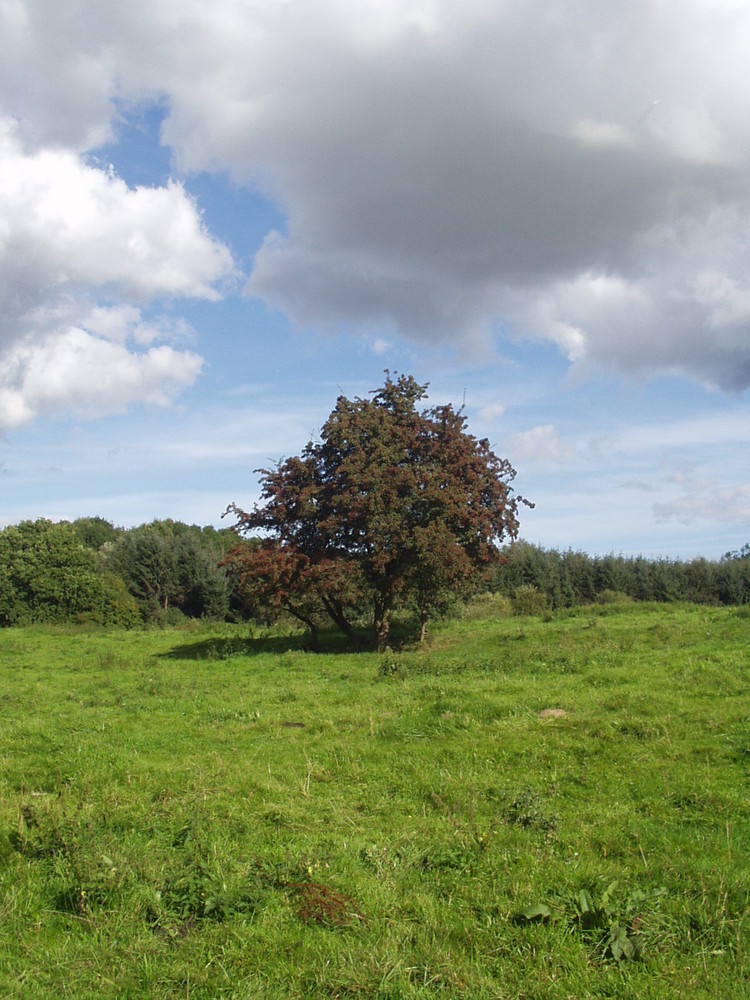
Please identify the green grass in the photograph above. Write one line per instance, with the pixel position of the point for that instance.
(197, 814)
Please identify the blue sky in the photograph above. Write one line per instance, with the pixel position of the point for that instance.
(214, 219)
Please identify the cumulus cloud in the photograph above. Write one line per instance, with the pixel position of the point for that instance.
(575, 173)
(88, 375)
(80, 252)
(64, 224)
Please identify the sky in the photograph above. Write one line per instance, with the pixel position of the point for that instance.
(217, 218)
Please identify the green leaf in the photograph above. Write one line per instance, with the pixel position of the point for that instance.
(589, 912)
(618, 939)
(607, 897)
(536, 912)
(622, 945)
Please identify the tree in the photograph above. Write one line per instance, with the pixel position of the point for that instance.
(417, 503)
(95, 532)
(733, 577)
(48, 575)
(170, 565)
(737, 554)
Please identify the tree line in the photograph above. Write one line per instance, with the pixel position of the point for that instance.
(394, 510)
(566, 579)
(88, 571)
(165, 572)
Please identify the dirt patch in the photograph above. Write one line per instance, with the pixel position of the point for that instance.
(321, 904)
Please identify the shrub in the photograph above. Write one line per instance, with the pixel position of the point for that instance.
(488, 606)
(613, 597)
(527, 600)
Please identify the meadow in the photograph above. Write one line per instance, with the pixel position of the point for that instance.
(527, 807)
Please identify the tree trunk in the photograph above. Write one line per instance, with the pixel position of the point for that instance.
(424, 620)
(338, 617)
(315, 640)
(314, 637)
(382, 628)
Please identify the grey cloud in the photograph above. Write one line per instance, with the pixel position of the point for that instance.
(730, 505)
(578, 173)
(638, 486)
(445, 206)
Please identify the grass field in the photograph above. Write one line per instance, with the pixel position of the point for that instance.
(200, 814)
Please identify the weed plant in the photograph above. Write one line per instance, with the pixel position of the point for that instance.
(526, 807)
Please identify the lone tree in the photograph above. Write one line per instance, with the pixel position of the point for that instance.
(410, 498)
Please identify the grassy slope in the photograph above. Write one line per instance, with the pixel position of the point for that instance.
(188, 814)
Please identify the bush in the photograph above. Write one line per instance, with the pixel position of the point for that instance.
(169, 617)
(613, 597)
(487, 606)
(114, 606)
(527, 600)
(47, 575)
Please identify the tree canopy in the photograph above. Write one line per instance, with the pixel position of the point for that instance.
(408, 500)
(48, 575)
(171, 566)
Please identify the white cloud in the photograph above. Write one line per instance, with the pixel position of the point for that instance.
(596, 133)
(66, 225)
(87, 375)
(539, 447)
(491, 412)
(707, 502)
(578, 173)
(78, 250)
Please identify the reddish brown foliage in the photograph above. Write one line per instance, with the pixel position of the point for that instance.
(411, 499)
